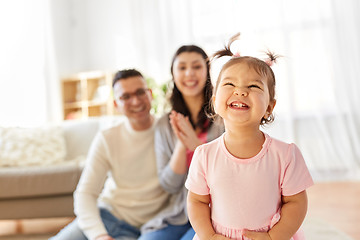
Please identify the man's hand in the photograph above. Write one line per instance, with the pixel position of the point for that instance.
(104, 237)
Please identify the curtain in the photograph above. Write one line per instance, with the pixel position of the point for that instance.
(27, 93)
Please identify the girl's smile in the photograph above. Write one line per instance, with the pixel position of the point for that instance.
(238, 105)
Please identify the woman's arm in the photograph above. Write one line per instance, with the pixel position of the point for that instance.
(170, 157)
(293, 212)
(178, 159)
(200, 216)
(186, 137)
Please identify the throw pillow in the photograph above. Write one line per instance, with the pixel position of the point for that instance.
(31, 146)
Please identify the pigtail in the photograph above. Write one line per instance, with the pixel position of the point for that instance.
(226, 51)
(271, 58)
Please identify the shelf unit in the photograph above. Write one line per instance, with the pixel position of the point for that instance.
(87, 94)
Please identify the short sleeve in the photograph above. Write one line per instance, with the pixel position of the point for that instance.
(296, 177)
(196, 181)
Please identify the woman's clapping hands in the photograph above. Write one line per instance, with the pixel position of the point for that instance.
(184, 131)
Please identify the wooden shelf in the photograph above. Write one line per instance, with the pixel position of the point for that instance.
(70, 105)
(87, 94)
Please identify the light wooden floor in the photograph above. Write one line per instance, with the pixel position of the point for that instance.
(336, 203)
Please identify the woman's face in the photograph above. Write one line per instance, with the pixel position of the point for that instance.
(190, 72)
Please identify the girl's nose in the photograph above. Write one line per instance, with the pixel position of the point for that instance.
(241, 92)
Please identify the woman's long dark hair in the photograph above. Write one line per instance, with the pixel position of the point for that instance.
(176, 99)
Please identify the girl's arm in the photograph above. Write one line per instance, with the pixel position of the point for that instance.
(199, 216)
(293, 212)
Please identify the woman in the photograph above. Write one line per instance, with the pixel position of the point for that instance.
(177, 134)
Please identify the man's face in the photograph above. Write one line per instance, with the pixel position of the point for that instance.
(133, 99)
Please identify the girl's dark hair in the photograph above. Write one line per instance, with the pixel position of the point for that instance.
(176, 98)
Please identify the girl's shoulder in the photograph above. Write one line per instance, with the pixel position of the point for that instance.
(280, 144)
(284, 149)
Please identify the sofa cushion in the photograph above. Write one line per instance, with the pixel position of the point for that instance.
(31, 146)
(39, 180)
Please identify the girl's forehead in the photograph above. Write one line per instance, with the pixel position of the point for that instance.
(238, 70)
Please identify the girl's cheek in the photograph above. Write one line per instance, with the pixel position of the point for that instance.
(216, 106)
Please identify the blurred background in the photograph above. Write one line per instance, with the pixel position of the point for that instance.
(318, 77)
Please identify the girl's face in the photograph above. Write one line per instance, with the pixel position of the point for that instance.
(242, 96)
(190, 72)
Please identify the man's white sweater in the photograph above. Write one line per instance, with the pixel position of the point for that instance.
(124, 160)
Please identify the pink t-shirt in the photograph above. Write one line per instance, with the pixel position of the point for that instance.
(246, 193)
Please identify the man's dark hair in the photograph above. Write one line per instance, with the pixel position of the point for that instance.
(126, 73)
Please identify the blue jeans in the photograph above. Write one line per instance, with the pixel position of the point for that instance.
(116, 228)
(171, 232)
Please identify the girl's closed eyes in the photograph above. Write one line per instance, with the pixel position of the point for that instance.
(250, 86)
(229, 84)
(255, 86)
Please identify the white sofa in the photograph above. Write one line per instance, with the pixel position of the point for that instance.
(47, 191)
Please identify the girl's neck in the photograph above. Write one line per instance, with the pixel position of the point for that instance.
(245, 142)
(194, 104)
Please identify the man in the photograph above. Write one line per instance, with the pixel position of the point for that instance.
(121, 160)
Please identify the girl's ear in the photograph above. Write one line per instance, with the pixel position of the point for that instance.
(271, 107)
(213, 103)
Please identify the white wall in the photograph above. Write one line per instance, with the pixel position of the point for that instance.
(114, 34)
(97, 35)
(61, 22)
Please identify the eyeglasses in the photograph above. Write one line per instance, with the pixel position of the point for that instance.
(139, 93)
